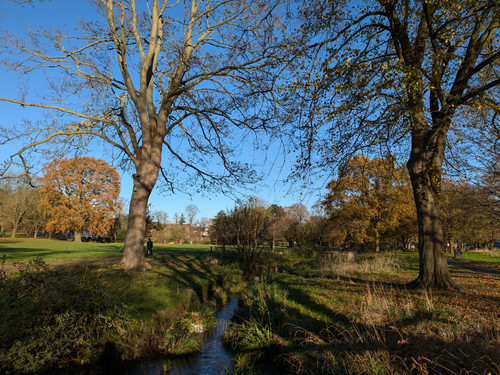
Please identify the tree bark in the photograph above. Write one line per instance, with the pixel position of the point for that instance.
(144, 182)
(78, 237)
(133, 256)
(425, 165)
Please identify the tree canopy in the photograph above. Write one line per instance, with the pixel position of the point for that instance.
(368, 201)
(80, 195)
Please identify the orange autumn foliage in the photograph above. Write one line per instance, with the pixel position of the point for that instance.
(80, 195)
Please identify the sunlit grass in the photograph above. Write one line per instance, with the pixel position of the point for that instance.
(491, 257)
(21, 250)
(24, 249)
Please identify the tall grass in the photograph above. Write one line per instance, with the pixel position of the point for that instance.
(371, 265)
(344, 322)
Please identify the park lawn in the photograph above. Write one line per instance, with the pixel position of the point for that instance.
(491, 257)
(181, 248)
(23, 249)
(359, 318)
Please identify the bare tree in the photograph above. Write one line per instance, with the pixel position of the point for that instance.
(161, 217)
(18, 200)
(174, 88)
(295, 217)
(249, 224)
(191, 211)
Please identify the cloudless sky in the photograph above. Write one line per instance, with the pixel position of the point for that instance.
(15, 19)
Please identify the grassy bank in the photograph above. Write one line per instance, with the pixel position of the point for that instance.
(67, 316)
(311, 318)
(24, 249)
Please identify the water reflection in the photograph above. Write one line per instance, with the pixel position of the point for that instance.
(213, 358)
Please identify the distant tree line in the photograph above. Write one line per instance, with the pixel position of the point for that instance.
(369, 206)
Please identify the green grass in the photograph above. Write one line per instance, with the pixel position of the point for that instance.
(182, 248)
(487, 257)
(22, 250)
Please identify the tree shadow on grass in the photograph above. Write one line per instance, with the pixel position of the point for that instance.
(326, 346)
(191, 271)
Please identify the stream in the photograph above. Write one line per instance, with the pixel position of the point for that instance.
(213, 357)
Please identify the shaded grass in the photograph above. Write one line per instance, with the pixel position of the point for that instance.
(358, 322)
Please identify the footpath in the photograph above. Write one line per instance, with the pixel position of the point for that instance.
(474, 267)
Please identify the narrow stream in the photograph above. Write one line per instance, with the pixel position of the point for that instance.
(212, 359)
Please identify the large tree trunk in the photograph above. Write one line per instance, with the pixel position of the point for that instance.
(133, 249)
(425, 165)
(434, 271)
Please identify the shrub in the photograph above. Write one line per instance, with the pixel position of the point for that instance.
(55, 317)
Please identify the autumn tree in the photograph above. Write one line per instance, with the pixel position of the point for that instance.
(80, 195)
(295, 217)
(366, 199)
(35, 221)
(276, 217)
(402, 75)
(177, 232)
(467, 214)
(313, 235)
(175, 88)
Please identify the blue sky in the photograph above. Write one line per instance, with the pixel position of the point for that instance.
(14, 18)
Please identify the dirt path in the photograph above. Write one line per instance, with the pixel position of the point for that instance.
(474, 267)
